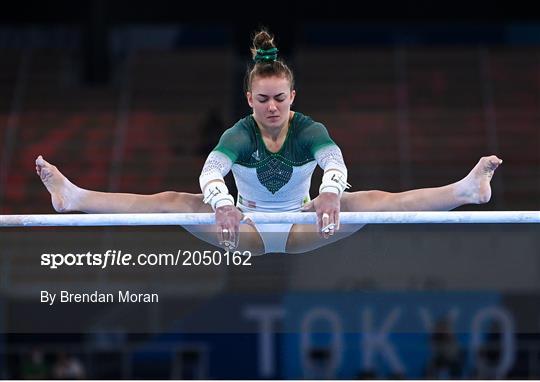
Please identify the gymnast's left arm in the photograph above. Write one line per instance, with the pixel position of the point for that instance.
(315, 139)
(334, 183)
(324, 150)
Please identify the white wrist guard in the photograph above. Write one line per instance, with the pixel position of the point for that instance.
(217, 195)
(334, 181)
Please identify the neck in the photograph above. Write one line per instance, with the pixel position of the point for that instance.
(274, 133)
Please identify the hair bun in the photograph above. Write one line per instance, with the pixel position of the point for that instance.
(263, 40)
(263, 49)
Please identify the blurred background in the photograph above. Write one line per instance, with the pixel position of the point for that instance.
(132, 96)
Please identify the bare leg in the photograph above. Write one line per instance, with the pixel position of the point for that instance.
(67, 197)
(475, 188)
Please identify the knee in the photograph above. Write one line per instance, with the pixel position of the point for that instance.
(172, 201)
(363, 201)
(376, 199)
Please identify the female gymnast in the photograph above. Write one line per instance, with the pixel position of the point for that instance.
(272, 154)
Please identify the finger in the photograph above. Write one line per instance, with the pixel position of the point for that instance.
(236, 240)
(235, 234)
(229, 245)
(228, 233)
(328, 229)
(247, 220)
(331, 223)
(221, 238)
(319, 224)
(326, 233)
(307, 207)
(331, 229)
(336, 219)
(325, 221)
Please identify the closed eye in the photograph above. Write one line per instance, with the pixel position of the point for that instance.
(279, 97)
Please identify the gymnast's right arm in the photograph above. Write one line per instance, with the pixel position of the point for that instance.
(215, 191)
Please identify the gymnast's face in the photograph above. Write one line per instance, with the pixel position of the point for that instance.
(271, 99)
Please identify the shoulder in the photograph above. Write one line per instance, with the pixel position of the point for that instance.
(241, 133)
(304, 124)
(302, 120)
(307, 128)
(311, 134)
(238, 139)
(242, 126)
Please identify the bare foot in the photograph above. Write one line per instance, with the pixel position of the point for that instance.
(475, 187)
(64, 194)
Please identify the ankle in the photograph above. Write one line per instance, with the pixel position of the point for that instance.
(462, 192)
(77, 197)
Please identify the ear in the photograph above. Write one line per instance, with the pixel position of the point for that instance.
(249, 97)
(293, 94)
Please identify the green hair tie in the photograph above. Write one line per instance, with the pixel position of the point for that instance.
(266, 55)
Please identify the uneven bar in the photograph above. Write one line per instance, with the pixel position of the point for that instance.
(156, 219)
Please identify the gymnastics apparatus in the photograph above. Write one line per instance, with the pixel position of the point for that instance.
(165, 219)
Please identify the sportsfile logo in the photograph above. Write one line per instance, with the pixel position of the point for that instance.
(119, 258)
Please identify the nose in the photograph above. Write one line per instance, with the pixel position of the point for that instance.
(272, 105)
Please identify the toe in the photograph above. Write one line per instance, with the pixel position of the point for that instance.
(494, 159)
(494, 164)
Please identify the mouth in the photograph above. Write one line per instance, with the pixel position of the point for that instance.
(273, 117)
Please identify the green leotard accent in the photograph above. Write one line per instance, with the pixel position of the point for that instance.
(244, 145)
